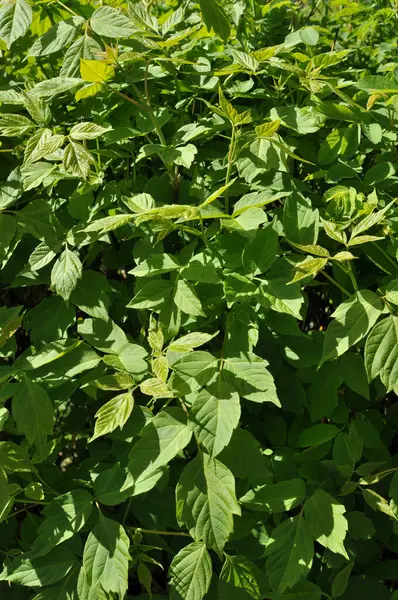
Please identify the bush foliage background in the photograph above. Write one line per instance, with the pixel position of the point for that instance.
(199, 295)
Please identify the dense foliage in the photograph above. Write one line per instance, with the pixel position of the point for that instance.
(199, 300)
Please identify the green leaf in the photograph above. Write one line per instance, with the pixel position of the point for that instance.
(281, 297)
(347, 451)
(316, 435)
(34, 175)
(186, 299)
(77, 160)
(11, 189)
(244, 458)
(108, 224)
(188, 342)
(10, 321)
(326, 519)
(215, 17)
(360, 527)
(34, 491)
(309, 267)
(302, 120)
(41, 571)
(370, 221)
(352, 369)
(32, 410)
(290, 553)
(246, 61)
(275, 498)
(4, 414)
(113, 414)
(340, 582)
(190, 573)
(377, 83)
(300, 220)
(352, 321)
(64, 517)
(152, 295)
(65, 273)
(248, 374)
(267, 130)
(14, 458)
(41, 144)
(57, 85)
(117, 381)
(57, 37)
(323, 392)
(15, 20)
(105, 557)
(157, 264)
(206, 501)
(238, 579)
(84, 47)
(214, 415)
(261, 252)
(50, 319)
(378, 503)
(110, 22)
(156, 387)
(14, 125)
(303, 590)
(160, 441)
(91, 295)
(87, 131)
(331, 147)
(381, 353)
(51, 352)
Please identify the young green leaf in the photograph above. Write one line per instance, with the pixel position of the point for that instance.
(190, 573)
(206, 501)
(290, 553)
(106, 557)
(65, 273)
(325, 517)
(113, 414)
(214, 415)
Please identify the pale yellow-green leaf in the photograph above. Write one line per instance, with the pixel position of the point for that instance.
(113, 414)
(95, 71)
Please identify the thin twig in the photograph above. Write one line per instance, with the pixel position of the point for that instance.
(72, 12)
(157, 532)
(148, 99)
(336, 283)
(126, 512)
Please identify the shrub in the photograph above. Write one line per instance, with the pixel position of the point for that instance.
(199, 296)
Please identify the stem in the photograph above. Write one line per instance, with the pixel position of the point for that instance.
(153, 118)
(229, 168)
(183, 406)
(36, 502)
(157, 532)
(336, 283)
(52, 490)
(72, 12)
(126, 512)
(386, 255)
(352, 276)
(20, 511)
(158, 130)
(129, 99)
(146, 84)
(99, 156)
